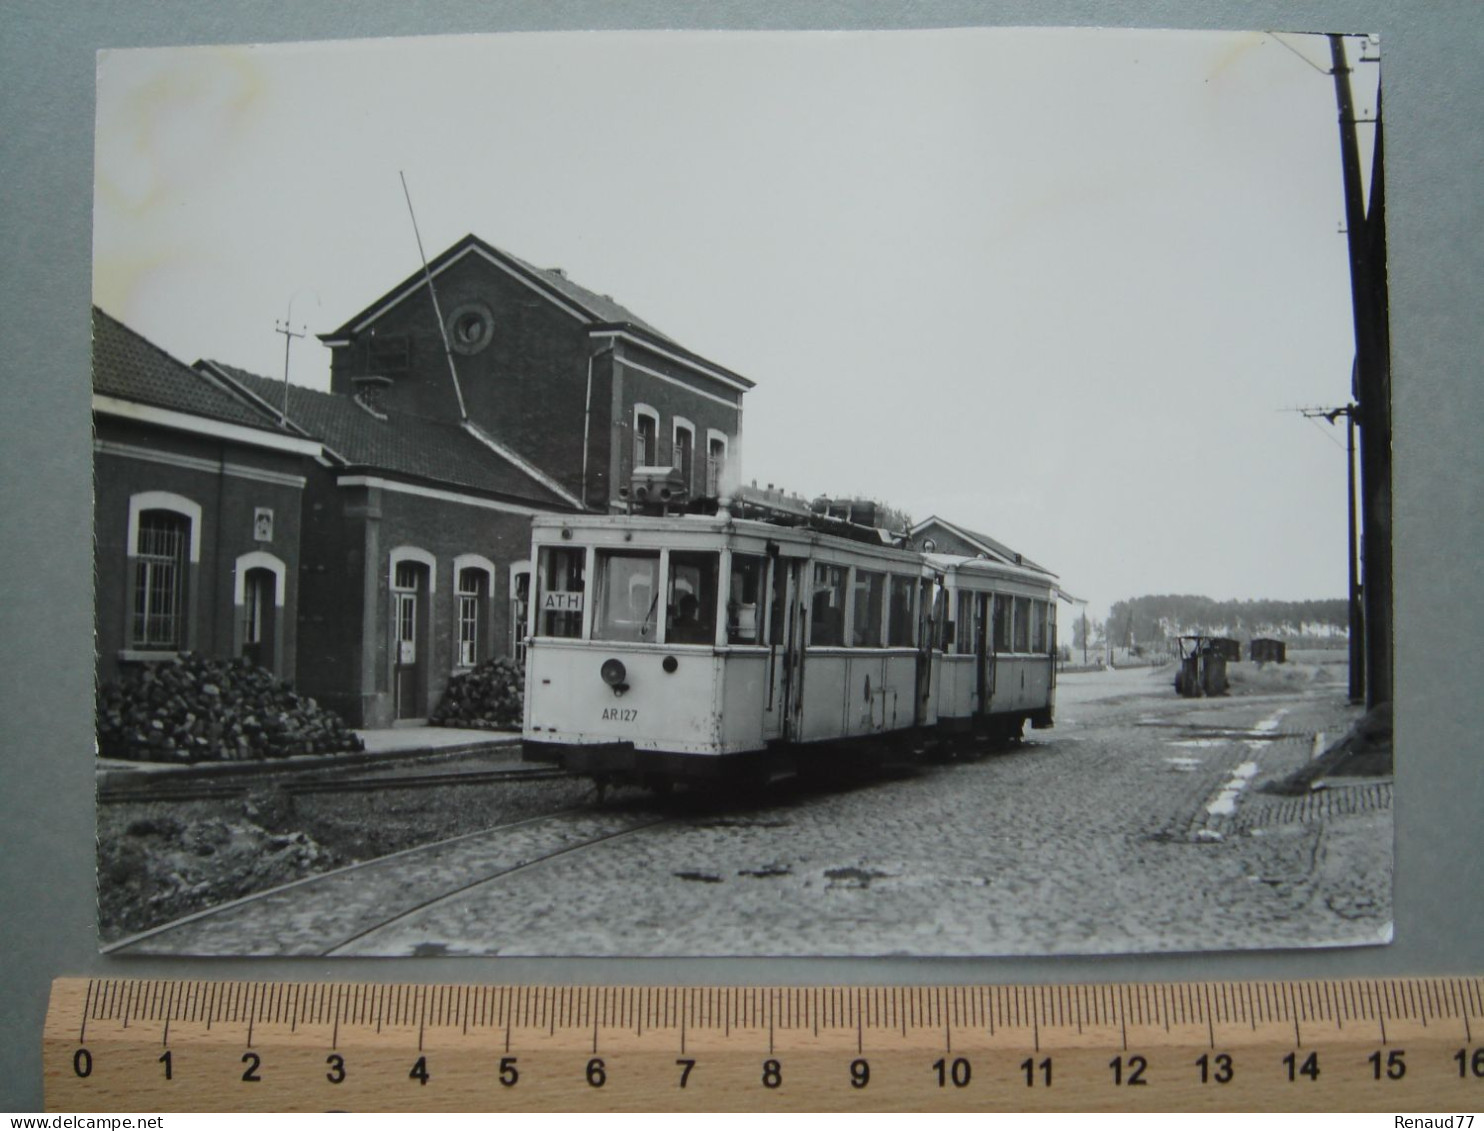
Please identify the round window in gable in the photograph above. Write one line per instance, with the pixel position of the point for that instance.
(470, 327)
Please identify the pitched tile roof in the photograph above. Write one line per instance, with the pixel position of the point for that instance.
(599, 310)
(984, 541)
(432, 451)
(131, 368)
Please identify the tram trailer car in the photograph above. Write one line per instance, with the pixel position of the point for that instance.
(663, 649)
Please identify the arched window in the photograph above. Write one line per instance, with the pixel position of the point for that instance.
(520, 609)
(164, 542)
(716, 460)
(473, 581)
(682, 451)
(646, 436)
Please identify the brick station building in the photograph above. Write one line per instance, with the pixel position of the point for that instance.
(385, 522)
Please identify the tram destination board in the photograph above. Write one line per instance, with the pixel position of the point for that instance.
(1393, 1045)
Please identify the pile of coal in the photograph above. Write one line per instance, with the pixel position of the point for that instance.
(488, 697)
(198, 709)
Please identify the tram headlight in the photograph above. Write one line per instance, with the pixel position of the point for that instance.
(614, 675)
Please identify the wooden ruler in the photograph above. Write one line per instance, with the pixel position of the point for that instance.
(1401, 1045)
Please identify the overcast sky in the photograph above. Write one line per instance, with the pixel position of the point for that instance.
(1058, 287)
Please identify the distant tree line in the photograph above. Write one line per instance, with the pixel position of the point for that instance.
(1155, 619)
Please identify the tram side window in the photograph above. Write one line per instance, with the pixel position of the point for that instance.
(1002, 618)
(691, 604)
(964, 631)
(627, 593)
(899, 614)
(870, 588)
(827, 606)
(745, 599)
(1022, 624)
(561, 594)
(1038, 626)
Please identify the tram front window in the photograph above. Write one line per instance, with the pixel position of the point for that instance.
(561, 591)
(627, 596)
(691, 604)
(745, 599)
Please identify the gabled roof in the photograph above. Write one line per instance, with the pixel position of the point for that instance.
(429, 451)
(554, 284)
(129, 367)
(983, 542)
(597, 311)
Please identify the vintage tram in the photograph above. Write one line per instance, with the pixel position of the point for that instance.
(664, 648)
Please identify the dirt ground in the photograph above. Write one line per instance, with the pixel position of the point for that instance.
(158, 861)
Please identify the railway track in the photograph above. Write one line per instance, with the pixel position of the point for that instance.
(378, 902)
(365, 783)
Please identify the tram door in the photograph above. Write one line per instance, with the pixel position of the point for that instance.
(983, 652)
(786, 649)
(929, 624)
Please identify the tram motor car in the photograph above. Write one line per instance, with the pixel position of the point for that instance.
(665, 648)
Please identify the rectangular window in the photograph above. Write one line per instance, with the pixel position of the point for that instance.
(827, 606)
(1038, 626)
(258, 596)
(627, 595)
(473, 587)
(520, 610)
(899, 617)
(870, 591)
(159, 580)
(646, 451)
(1022, 624)
(965, 628)
(685, 444)
(716, 458)
(1002, 617)
(561, 596)
(745, 599)
(690, 606)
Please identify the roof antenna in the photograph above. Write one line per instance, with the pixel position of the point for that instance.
(289, 334)
(286, 328)
(437, 313)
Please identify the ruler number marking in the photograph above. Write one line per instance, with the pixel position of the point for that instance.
(167, 1060)
(1393, 1067)
(958, 1071)
(250, 1073)
(685, 1066)
(1309, 1067)
(597, 1075)
(772, 1073)
(82, 1063)
(336, 1063)
(509, 1073)
(860, 1072)
(420, 1071)
(1030, 1068)
(1219, 1068)
(1467, 1064)
(1134, 1077)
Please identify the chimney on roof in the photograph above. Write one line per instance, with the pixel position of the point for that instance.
(562, 271)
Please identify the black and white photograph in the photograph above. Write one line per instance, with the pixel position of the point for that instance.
(913, 493)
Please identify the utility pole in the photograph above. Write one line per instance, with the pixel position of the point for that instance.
(1371, 412)
(289, 334)
(1356, 608)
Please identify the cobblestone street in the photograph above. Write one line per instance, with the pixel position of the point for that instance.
(1117, 831)
(1137, 824)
